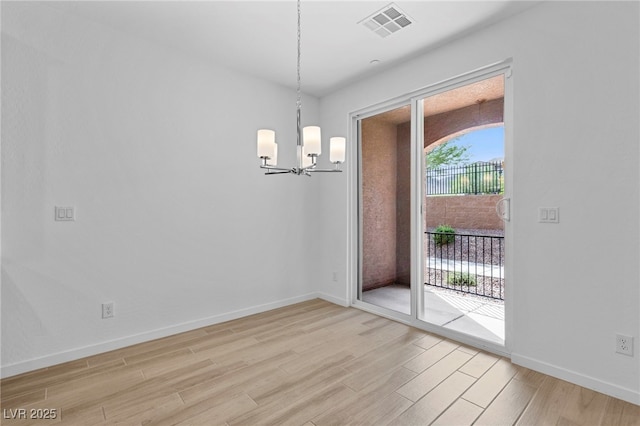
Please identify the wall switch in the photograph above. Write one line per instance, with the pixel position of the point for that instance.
(107, 310)
(334, 276)
(67, 213)
(548, 214)
(624, 344)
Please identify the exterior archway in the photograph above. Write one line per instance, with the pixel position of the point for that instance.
(452, 136)
(463, 120)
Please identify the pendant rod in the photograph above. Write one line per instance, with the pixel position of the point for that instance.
(299, 98)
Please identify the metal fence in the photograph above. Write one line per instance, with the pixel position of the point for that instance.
(476, 178)
(466, 263)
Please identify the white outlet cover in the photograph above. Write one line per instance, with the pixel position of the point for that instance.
(624, 344)
(107, 310)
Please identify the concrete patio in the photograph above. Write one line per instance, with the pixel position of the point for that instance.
(477, 316)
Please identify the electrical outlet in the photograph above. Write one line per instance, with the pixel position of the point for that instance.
(107, 310)
(335, 276)
(624, 344)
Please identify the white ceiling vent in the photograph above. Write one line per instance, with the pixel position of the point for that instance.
(387, 20)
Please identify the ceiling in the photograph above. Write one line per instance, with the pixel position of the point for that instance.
(259, 37)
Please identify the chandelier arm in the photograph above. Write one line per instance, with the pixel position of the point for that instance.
(284, 172)
(276, 168)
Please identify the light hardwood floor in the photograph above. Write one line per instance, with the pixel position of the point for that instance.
(312, 363)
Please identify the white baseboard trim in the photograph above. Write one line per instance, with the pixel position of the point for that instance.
(629, 395)
(333, 299)
(81, 352)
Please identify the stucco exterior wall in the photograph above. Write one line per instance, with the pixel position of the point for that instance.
(463, 211)
(379, 203)
(403, 205)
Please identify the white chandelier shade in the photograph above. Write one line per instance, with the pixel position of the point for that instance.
(337, 150)
(311, 147)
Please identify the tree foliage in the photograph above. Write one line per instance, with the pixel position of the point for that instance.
(447, 154)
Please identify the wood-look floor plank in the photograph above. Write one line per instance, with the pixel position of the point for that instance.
(491, 383)
(432, 376)
(479, 364)
(183, 413)
(166, 364)
(328, 320)
(248, 379)
(158, 387)
(346, 410)
(529, 377)
(621, 413)
(294, 387)
(275, 396)
(385, 332)
(298, 412)
(368, 372)
(304, 361)
(57, 375)
(468, 349)
(461, 412)
(548, 403)
(507, 407)
(377, 349)
(108, 357)
(143, 412)
(383, 412)
(219, 414)
(431, 356)
(91, 389)
(311, 364)
(23, 399)
(428, 340)
(436, 401)
(585, 406)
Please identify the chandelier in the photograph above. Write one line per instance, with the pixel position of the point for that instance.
(309, 146)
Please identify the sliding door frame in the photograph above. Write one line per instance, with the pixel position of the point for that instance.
(356, 220)
(414, 99)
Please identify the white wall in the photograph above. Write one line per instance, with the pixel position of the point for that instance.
(576, 146)
(175, 223)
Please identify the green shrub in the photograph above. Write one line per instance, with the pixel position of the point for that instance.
(446, 235)
(461, 278)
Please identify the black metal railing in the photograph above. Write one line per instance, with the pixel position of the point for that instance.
(476, 178)
(466, 263)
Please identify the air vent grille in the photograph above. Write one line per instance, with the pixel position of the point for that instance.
(387, 20)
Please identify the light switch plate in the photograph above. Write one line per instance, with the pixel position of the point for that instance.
(548, 214)
(66, 213)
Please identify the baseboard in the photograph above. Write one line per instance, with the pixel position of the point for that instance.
(629, 395)
(77, 353)
(333, 299)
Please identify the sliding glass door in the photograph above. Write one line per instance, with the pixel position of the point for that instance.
(431, 237)
(463, 239)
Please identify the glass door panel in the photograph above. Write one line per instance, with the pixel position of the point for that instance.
(385, 203)
(463, 241)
